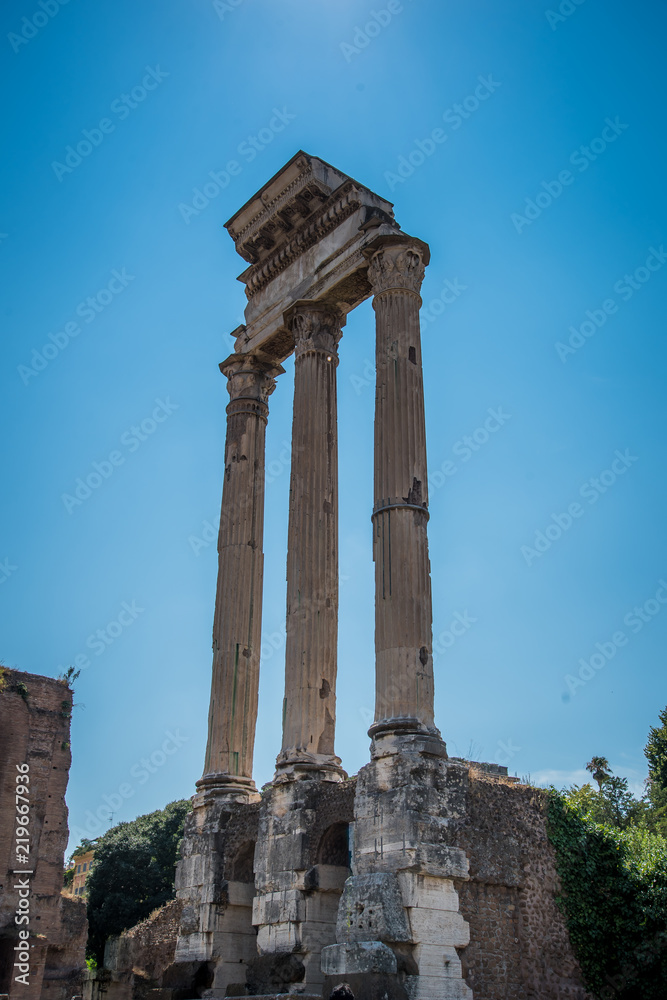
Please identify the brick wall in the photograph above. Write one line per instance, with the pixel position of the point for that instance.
(35, 730)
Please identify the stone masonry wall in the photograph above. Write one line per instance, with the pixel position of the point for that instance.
(35, 730)
(519, 946)
(147, 948)
(482, 913)
(301, 863)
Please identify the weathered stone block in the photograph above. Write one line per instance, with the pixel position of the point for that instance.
(314, 937)
(438, 960)
(275, 973)
(307, 995)
(288, 853)
(235, 920)
(279, 907)
(322, 907)
(439, 927)
(279, 881)
(436, 988)
(428, 891)
(362, 956)
(371, 908)
(192, 948)
(189, 920)
(234, 945)
(240, 893)
(327, 878)
(189, 873)
(283, 937)
(438, 860)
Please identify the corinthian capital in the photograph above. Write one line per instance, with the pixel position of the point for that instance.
(248, 377)
(316, 326)
(398, 266)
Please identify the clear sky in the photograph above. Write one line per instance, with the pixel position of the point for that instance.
(543, 337)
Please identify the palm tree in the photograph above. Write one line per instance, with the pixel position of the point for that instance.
(599, 768)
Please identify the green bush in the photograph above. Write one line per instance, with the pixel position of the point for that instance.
(614, 897)
(132, 873)
(655, 752)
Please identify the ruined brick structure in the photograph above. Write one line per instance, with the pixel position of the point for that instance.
(34, 731)
(423, 877)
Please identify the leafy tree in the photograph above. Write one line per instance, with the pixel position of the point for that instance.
(613, 805)
(612, 863)
(614, 897)
(599, 768)
(83, 848)
(655, 751)
(623, 809)
(656, 813)
(133, 873)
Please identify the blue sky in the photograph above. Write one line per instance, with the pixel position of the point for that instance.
(544, 207)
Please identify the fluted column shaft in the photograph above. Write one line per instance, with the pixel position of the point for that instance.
(403, 613)
(309, 709)
(238, 604)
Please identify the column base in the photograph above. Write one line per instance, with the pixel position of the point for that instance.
(231, 787)
(295, 765)
(405, 735)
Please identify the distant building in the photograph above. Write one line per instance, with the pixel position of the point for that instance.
(82, 863)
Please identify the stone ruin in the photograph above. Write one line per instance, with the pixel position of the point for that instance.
(35, 716)
(424, 877)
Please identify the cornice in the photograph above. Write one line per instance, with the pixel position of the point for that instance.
(335, 211)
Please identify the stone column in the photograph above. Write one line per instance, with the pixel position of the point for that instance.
(403, 617)
(309, 708)
(238, 603)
